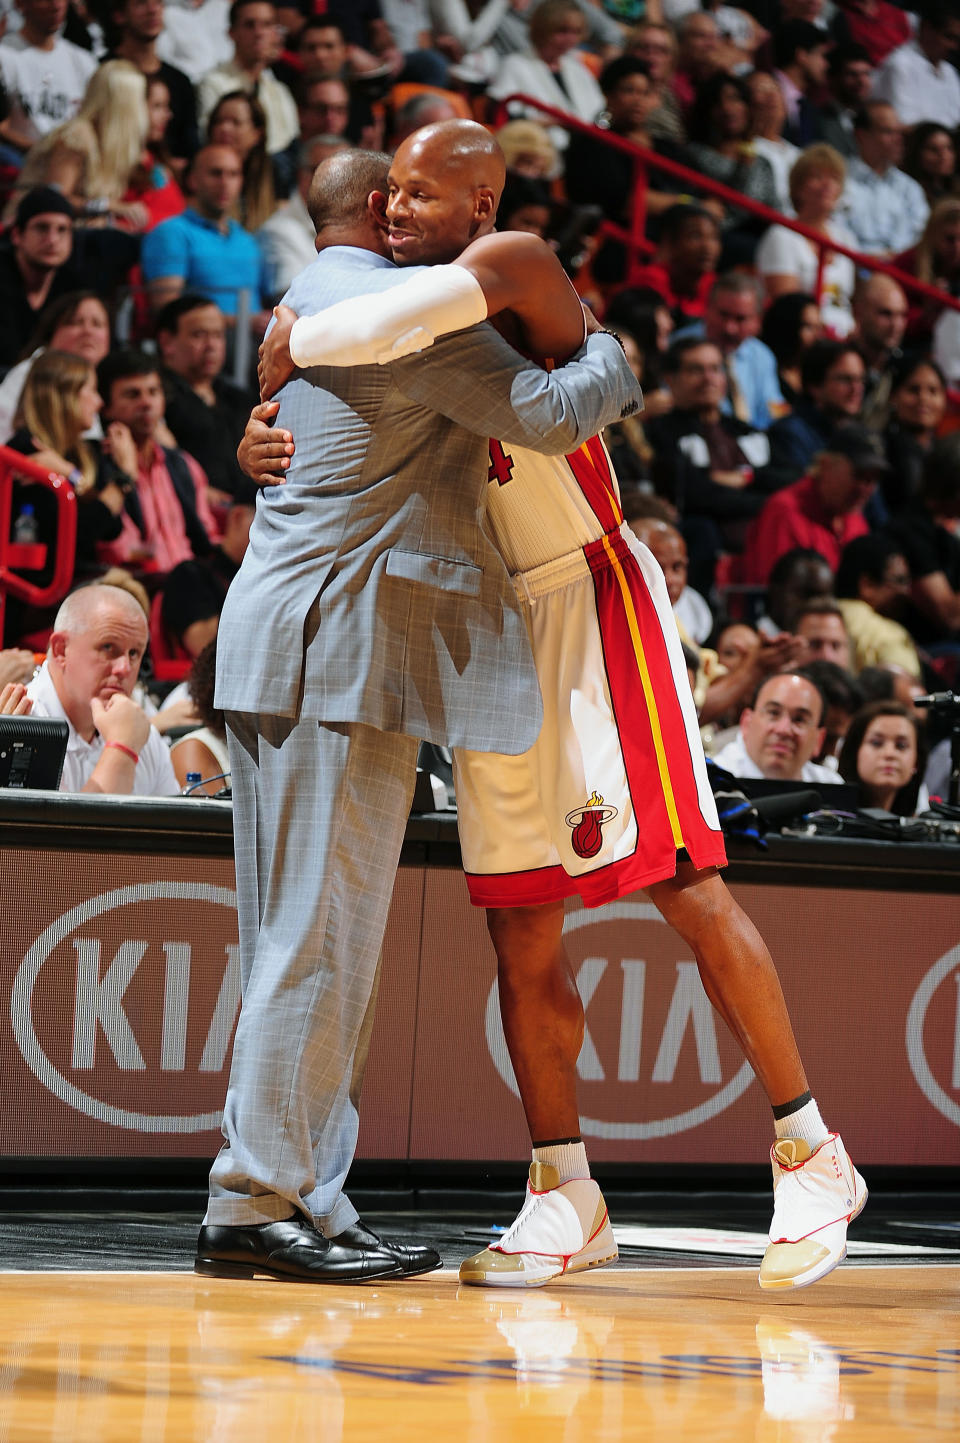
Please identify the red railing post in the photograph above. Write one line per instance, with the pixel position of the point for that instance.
(33, 558)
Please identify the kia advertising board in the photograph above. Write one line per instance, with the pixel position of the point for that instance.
(121, 983)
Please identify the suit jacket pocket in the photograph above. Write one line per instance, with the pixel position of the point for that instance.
(438, 571)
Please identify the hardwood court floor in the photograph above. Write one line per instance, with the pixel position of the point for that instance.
(869, 1355)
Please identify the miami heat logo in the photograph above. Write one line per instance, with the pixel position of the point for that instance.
(587, 823)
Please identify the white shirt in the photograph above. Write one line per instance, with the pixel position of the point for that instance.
(735, 759)
(288, 242)
(153, 775)
(580, 95)
(279, 106)
(946, 345)
(884, 212)
(784, 252)
(195, 39)
(44, 87)
(782, 157)
(917, 89)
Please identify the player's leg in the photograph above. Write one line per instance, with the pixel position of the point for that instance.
(817, 1189)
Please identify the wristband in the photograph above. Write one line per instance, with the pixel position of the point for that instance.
(127, 751)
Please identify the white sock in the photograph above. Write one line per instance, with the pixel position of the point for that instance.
(805, 1123)
(569, 1158)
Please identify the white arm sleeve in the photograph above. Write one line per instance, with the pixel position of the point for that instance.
(379, 328)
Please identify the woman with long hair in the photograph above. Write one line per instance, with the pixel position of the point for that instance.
(791, 324)
(77, 322)
(720, 146)
(931, 159)
(238, 121)
(92, 157)
(935, 259)
(918, 403)
(885, 754)
(153, 182)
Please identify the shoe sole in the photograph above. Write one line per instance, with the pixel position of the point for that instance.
(525, 1280)
(217, 1268)
(804, 1280)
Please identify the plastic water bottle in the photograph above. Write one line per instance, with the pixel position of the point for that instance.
(193, 780)
(25, 531)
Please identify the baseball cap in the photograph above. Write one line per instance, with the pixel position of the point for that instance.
(861, 446)
(42, 200)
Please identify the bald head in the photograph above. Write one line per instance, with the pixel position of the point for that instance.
(445, 185)
(80, 609)
(880, 311)
(669, 550)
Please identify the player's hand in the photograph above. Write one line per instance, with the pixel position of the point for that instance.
(264, 451)
(275, 366)
(119, 719)
(593, 325)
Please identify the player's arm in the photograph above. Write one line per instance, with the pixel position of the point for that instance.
(509, 271)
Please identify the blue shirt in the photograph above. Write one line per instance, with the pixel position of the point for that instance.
(216, 263)
(885, 212)
(755, 367)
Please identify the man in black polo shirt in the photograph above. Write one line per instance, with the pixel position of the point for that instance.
(206, 413)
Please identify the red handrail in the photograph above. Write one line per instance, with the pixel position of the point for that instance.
(643, 158)
(33, 558)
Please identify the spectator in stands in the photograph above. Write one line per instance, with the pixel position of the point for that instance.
(167, 518)
(850, 80)
(205, 412)
(430, 107)
(799, 576)
(927, 530)
(323, 109)
(780, 733)
(823, 510)
(139, 25)
(528, 150)
(195, 37)
(931, 158)
(92, 664)
(425, 51)
(918, 78)
(323, 54)
(875, 26)
(885, 754)
(253, 32)
(791, 324)
(204, 750)
(789, 262)
(710, 465)
(683, 269)
(91, 158)
(656, 45)
(42, 75)
(238, 121)
(821, 625)
(152, 182)
(698, 58)
(204, 249)
(720, 147)
(935, 260)
(918, 403)
(597, 174)
(194, 592)
(832, 378)
(800, 60)
(77, 322)
(550, 72)
(883, 208)
(35, 268)
(768, 116)
(732, 323)
(288, 239)
(873, 585)
(880, 315)
(843, 697)
(527, 206)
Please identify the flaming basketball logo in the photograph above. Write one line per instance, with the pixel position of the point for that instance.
(587, 823)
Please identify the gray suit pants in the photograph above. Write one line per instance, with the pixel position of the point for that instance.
(320, 812)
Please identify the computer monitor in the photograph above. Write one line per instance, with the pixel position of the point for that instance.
(32, 751)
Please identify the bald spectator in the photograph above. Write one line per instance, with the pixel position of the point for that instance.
(821, 626)
(880, 319)
(884, 208)
(918, 78)
(823, 510)
(253, 31)
(780, 733)
(92, 664)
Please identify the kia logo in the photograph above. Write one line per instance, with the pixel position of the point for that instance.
(933, 1040)
(651, 1041)
(148, 1015)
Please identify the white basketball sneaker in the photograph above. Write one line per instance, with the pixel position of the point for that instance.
(815, 1195)
(561, 1228)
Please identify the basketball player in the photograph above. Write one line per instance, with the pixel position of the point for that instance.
(591, 808)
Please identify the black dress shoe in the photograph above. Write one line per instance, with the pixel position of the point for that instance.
(291, 1250)
(410, 1258)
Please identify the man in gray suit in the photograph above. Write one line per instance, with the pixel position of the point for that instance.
(370, 611)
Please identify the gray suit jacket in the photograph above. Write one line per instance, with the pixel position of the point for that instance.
(370, 591)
